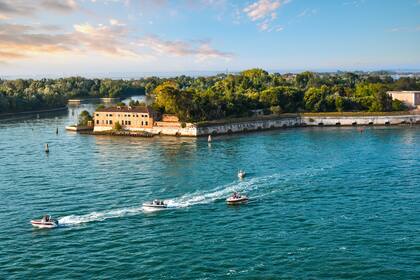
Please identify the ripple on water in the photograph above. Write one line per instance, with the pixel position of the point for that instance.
(325, 203)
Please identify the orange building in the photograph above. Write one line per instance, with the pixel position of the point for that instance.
(130, 118)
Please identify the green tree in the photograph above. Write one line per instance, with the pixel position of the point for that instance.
(84, 118)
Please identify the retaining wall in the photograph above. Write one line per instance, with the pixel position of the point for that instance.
(275, 123)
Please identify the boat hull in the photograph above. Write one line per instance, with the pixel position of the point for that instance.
(154, 207)
(41, 224)
(233, 201)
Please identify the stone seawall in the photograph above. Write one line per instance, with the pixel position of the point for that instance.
(267, 123)
(298, 121)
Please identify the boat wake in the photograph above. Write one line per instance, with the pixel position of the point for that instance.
(270, 184)
(99, 216)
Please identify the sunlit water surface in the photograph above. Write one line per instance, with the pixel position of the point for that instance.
(324, 203)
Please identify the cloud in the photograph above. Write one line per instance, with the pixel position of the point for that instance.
(308, 12)
(23, 41)
(63, 6)
(264, 11)
(16, 8)
(405, 29)
(116, 22)
(24, 8)
(201, 50)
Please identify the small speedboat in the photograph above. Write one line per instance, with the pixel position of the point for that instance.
(236, 199)
(45, 222)
(241, 174)
(155, 204)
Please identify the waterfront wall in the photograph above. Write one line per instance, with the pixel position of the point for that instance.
(217, 128)
(298, 121)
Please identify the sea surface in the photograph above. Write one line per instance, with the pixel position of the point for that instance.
(325, 203)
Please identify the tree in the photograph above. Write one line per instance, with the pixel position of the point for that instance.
(84, 118)
(314, 99)
(117, 126)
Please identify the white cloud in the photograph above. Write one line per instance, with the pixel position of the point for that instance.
(264, 11)
(116, 22)
(201, 50)
(264, 8)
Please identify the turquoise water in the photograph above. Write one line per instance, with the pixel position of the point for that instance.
(325, 203)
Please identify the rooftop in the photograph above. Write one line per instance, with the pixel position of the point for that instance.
(126, 109)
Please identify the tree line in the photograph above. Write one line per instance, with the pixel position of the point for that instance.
(236, 95)
(221, 96)
(26, 95)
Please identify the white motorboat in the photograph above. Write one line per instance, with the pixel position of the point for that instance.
(241, 174)
(236, 199)
(45, 222)
(155, 205)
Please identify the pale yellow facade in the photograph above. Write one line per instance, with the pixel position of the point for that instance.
(130, 118)
(409, 98)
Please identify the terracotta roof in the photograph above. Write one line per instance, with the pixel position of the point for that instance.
(127, 109)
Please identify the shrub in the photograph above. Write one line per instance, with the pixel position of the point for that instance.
(117, 126)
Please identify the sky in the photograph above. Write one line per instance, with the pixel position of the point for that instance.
(101, 37)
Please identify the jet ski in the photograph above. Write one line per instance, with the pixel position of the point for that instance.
(46, 222)
(241, 174)
(155, 205)
(236, 199)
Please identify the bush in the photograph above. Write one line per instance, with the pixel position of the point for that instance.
(277, 110)
(117, 126)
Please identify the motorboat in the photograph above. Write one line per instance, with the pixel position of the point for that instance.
(241, 174)
(236, 199)
(155, 204)
(46, 222)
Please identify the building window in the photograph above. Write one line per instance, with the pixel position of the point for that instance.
(97, 121)
(129, 122)
(145, 122)
(110, 115)
(97, 115)
(110, 122)
(141, 122)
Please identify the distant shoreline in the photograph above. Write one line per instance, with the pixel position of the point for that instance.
(57, 109)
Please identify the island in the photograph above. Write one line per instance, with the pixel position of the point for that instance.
(257, 100)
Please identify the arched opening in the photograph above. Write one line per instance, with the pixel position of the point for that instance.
(337, 123)
(229, 131)
(320, 124)
(354, 124)
(214, 132)
(387, 123)
(370, 123)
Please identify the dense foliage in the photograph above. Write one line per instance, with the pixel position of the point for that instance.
(209, 98)
(25, 95)
(221, 96)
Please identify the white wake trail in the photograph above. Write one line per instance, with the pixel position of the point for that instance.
(99, 216)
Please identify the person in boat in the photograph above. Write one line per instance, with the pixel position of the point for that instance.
(235, 195)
